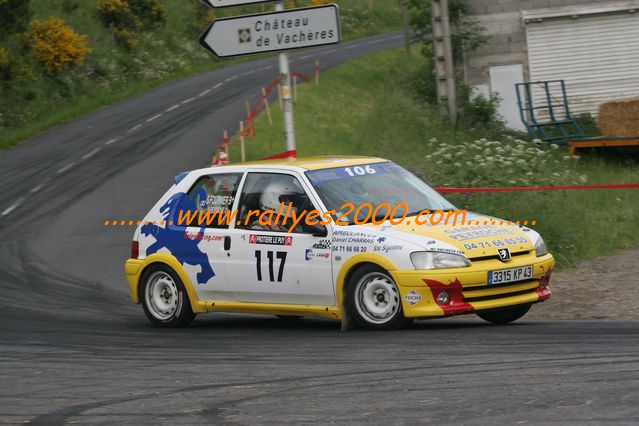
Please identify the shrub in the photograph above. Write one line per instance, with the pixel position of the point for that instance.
(126, 38)
(149, 12)
(55, 45)
(116, 13)
(70, 6)
(5, 65)
(479, 109)
(14, 16)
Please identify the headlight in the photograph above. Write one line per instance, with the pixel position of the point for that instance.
(434, 260)
(540, 247)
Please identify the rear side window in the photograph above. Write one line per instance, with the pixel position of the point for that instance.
(214, 194)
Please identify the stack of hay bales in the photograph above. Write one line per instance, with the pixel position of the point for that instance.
(619, 118)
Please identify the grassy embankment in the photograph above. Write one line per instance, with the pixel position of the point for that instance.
(367, 107)
(33, 102)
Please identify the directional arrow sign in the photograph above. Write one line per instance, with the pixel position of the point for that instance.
(228, 3)
(271, 32)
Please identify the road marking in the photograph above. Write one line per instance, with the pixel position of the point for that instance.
(173, 108)
(206, 92)
(65, 168)
(155, 117)
(12, 207)
(36, 189)
(305, 57)
(186, 101)
(133, 129)
(266, 68)
(110, 142)
(396, 37)
(91, 154)
(248, 72)
(231, 78)
(218, 85)
(375, 41)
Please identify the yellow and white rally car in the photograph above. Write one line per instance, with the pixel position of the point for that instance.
(378, 265)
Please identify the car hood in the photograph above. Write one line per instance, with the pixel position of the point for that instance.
(481, 238)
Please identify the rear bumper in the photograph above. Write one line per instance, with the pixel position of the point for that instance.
(132, 269)
(467, 288)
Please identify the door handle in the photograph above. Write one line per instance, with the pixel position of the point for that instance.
(227, 243)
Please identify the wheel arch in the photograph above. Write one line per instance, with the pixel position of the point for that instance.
(350, 266)
(169, 261)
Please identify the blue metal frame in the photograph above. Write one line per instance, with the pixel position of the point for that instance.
(557, 124)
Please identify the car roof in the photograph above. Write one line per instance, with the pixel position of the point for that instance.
(312, 163)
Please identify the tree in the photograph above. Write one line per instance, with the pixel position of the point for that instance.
(14, 17)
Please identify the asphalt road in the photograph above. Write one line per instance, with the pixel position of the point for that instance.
(74, 350)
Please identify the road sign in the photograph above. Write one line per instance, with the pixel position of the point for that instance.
(229, 3)
(274, 31)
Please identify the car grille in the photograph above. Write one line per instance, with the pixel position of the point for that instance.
(499, 291)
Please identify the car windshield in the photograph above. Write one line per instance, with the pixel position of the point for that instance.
(386, 185)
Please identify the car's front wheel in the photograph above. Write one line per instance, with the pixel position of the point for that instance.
(373, 300)
(504, 316)
(164, 298)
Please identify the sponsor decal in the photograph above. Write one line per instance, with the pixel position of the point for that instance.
(469, 233)
(413, 297)
(309, 254)
(322, 245)
(195, 236)
(272, 240)
(381, 240)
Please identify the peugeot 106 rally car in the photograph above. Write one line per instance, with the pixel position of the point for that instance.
(378, 265)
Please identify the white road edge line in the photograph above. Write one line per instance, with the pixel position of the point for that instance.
(36, 189)
(248, 72)
(396, 37)
(375, 41)
(305, 57)
(65, 168)
(231, 78)
(266, 68)
(218, 85)
(12, 207)
(155, 117)
(133, 129)
(186, 101)
(172, 108)
(110, 141)
(206, 92)
(91, 154)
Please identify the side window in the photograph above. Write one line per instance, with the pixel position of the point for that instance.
(269, 200)
(212, 198)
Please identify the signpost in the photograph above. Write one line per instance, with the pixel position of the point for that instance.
(277, 31)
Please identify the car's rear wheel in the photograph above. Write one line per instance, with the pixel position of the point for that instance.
(373, 300)
(164, 298)
(504, 316)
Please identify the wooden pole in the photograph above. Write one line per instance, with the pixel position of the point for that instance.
(406, 21)
(267, 106)
(248, 109)
(242, 141)
(317, 72)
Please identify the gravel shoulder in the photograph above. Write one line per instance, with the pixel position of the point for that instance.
(603, 288)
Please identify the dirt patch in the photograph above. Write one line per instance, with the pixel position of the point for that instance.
(605, 288)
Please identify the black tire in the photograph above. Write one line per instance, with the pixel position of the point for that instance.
(166, 285)
(359, 291)
(504, 316)
(289, 317)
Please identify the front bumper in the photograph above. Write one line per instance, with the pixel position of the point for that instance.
(467, 288)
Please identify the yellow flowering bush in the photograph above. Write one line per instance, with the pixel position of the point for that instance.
(56, 45)
(116, 12)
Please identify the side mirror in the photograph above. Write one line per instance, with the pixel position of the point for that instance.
(318, 230)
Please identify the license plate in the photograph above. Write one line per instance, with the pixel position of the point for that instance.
(510, 275)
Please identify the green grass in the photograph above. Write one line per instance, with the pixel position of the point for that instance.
(32, 102)
(367, 107)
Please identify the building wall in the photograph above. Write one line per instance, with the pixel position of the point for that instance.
(507, 35)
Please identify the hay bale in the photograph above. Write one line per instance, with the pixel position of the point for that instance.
(619, 117)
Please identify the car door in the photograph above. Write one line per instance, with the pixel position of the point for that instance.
(203, 220)
(270, 262)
